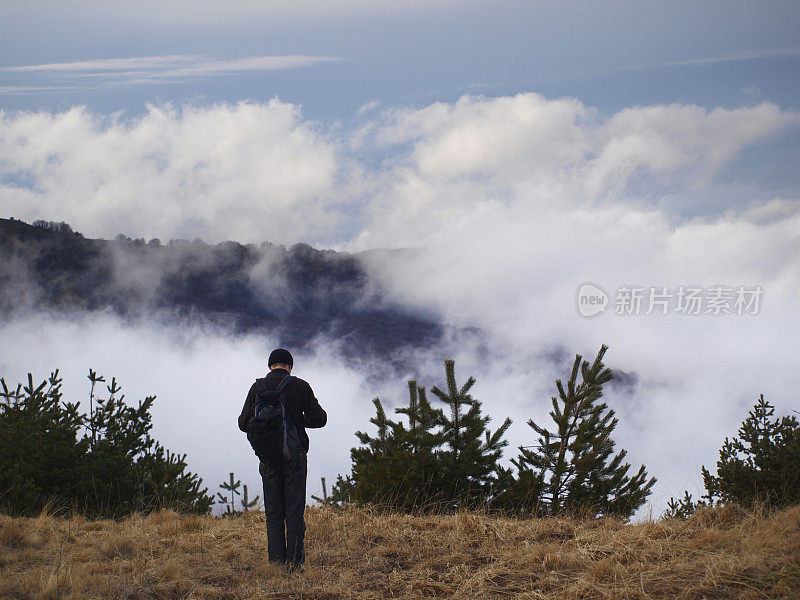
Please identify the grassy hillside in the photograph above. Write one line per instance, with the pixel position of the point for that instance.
(720, 553)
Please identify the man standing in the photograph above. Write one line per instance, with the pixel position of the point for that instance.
(285, 485)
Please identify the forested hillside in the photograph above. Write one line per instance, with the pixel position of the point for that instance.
(296, 293)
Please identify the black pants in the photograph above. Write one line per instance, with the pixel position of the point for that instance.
(284, 504)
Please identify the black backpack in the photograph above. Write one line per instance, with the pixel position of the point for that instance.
(270, 431)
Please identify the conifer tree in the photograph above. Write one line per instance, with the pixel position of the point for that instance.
(398, 467)
(576, 462)
(114, 469)
(520, 494)
(469, 461)
(376, 462)
(682, 508)
(248, 504)
(94, 378)
(434, 463)
(421, 485)
(762, 464)
(164, 482)
(126, 469)
(383, 466)
(232, 486)
(342, 493)
(41, 455)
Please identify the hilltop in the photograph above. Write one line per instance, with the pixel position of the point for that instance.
(294, 294)
(722, 553)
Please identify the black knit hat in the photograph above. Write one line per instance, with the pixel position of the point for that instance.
(280, 356)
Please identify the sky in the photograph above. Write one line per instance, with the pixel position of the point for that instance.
(518, 149)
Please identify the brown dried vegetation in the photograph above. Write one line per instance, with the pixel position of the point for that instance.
(723, 553)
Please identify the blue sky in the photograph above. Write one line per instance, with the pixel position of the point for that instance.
(524, 147)
(609, 54)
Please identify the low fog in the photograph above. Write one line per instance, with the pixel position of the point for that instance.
(672, 418)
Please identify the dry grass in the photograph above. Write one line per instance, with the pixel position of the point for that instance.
(721, 553)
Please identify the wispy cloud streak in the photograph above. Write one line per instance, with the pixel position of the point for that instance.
(730, 57)
(111, 64)
(145, 70)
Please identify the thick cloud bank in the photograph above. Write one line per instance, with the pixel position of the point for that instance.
(505, 207)
(251, 172)
(222, 172)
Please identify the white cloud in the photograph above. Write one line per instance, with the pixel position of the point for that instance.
(509, 136)
(685, 139)
(529, 150)
(260, 171)
(248, 172)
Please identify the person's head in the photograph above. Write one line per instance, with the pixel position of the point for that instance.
(280, 359)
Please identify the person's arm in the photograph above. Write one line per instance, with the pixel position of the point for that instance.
(314, 416)
(247, 410)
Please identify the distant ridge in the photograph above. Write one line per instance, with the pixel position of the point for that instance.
(295, 294)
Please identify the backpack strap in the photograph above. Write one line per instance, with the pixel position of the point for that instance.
(287, 454)
(262, 384)
(262, 388)
(284, 382)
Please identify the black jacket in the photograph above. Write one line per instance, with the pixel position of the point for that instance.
(301, 405)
